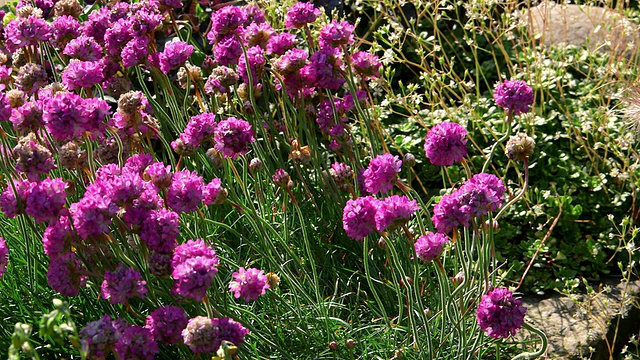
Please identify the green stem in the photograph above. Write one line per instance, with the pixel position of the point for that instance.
(537, 354)
(520, 195)
(500, 141)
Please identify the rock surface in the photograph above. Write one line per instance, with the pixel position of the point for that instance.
(598, 28)
(584, 326)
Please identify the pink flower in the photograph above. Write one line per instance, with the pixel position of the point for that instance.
(499, 314)
(359, 217)
(120, 285)
(429, 247)
(382, 172)
(514, 95)
(248, 284)
(446, 144)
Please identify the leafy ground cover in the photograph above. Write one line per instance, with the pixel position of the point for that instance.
(268, 180)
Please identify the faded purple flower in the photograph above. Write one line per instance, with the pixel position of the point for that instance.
(137, 343)
(66, 274)
(120, 285)
(100, 336)
(202, 335)
(166, 324)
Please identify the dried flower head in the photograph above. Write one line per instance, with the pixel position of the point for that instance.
(520, 147)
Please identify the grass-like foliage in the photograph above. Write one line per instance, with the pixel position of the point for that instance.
(270, 181)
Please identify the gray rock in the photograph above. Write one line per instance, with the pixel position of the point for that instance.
(598, 28)
(584, 326)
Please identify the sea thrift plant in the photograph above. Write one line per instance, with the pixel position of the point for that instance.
(394, 211)
(446, 144)
(499, 314)
(232, 137)
(429, 246)
(100, 337)
(514, 96)
(122, 284)
(136, 342)
(382, 173)
(248, 284)
(359, 217)
(194, 267)
(166, 324)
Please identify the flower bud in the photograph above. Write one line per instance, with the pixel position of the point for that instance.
(350, 343)
(255, 165)
(282, 179)
(409, 159)
(215, 158)
(333, 346)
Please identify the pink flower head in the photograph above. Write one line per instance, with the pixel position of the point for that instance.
(336, 34)
(136, 342)
(300, 14)
(83, 48)
(225, 21)
(21, 32)
(359, 217)
(514, 96)
(166, 324)
(248, 284)
(194, 267)
(255, 62)
(447, 213)
(214, 193)
(66, 274)
(499, 314)
(227, 51)
(394, 211)
(279, 43)
(82, 74)
(481, 194)
(232, 137)
(446, 144)
(366, 65)
(46, 199)
(185, 192)
(174, 54)
(429, 247)
(382, 173)
(324, 69)
(120, 285)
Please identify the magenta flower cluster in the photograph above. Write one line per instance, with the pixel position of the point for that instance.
(382, 173)
(194, 267)
(514, 96)
(366, 214)
(122, 284)
(446, 144)
(478, 196)
(429, 246)
(499, 314)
